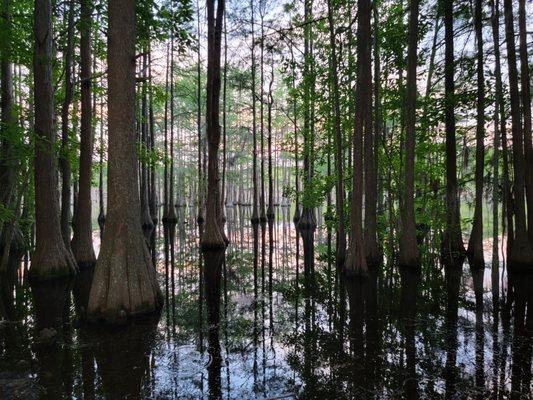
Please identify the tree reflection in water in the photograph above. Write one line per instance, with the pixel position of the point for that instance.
(299, 333)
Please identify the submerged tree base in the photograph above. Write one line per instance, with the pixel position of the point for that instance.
(51, 262)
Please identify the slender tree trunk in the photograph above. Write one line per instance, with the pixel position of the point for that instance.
(101, 212)
(172, 218)
(11, 239)
(526, 113)
(153, 197)
(453, 251)
(270, 209)
(213, 236)
(356, 256)
(255, 205)
(262, 215)
(521, 254)
(200, 217)
(372, 253)
(82, 241)
(297, 213)
(51, 258)
(475, 244)
(409, 253)
(146, 219)
(307, 222)
(7, 172)
(124, 282)
(378, 117)
(495, 279)
(339, 145)
(224, 124)
(64, 162)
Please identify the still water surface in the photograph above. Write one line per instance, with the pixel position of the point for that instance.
(261, 325)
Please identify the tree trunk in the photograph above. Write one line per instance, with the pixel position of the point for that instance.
(339, 145)
(356, 257)
(526, 112)
(409, 253)
(213, 236)
(495, 279)
(146, 218)
(521, 254)
(270, 210)
(82, 240)
(475, 244)
(297, 213)
(307, 222)
(262, 215)
(64, 162)
(200, 217)
(51, 258)
(124, 281)
(372, 252)
(152, 176)
(101, 211)
(453, 252)
(255, 205)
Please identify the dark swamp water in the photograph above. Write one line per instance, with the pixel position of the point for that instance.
(261, 325)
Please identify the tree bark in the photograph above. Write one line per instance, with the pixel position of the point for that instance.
(255, 205)
(307, 222)
(475, 244)
(213, 236)
(409, 253)
(64, 162)
(200, 217)
(521, 254)
(146, 218)
(495, 278)
(339, 145)
(372, 252)
(270, 209)
(82, 240)
(124, 282)
(453, 252)
(51, 258)
(356, 258)
(526, 113)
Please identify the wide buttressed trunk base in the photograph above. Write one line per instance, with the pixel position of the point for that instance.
(520, 257)
(50, 261)
(125, 282)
